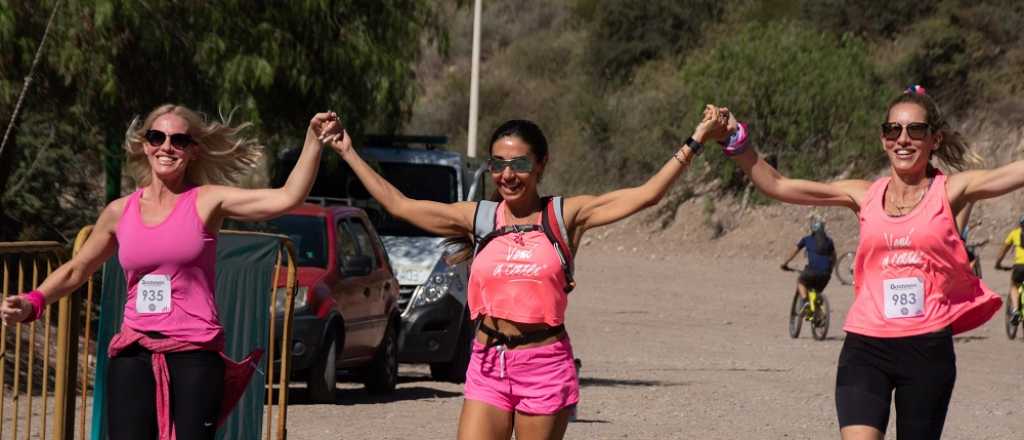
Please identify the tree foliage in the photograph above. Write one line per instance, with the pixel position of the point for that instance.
(812, 99)
(271, 63)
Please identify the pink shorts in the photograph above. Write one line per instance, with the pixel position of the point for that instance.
(537, 380)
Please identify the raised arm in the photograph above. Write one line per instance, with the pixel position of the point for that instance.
(975, 185)
(444, 219)
(262, 204)
(586, 212)
(98, 248)
(772, 183)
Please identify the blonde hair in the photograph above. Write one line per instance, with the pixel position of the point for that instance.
(222, 155)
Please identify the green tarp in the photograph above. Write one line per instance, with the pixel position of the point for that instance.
(245, 271)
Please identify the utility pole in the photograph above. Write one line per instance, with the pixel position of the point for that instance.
(474, 82)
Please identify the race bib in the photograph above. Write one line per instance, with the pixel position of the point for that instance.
(904, 297)
(153, 295)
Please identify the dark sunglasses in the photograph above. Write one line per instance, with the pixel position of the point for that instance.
(180, 141)
(521, 164)
(916, 130)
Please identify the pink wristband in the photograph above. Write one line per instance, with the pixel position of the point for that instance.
(38, 302)
(737, 143)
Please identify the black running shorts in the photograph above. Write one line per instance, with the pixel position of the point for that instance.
(921, 370)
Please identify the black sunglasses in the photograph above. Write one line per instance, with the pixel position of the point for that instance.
(521, 164)
(916, 130)
(180, 141)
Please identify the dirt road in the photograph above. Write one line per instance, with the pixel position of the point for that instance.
(677, 347)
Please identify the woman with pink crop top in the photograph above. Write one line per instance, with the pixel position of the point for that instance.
(521, 374)
(914, 288)
(167, 376)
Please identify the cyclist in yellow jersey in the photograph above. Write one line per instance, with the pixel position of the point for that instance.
(1017, 277)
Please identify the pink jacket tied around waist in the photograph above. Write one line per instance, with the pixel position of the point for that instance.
(236, 374)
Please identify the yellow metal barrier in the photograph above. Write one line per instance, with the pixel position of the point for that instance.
(27, 371)
(30, 368)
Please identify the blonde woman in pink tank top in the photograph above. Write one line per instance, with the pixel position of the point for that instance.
(165, 236)
(521, 375)
(912, 280)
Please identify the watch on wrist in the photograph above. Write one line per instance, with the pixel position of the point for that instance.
(695, 146)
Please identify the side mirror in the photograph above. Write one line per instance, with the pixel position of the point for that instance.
(356, 266)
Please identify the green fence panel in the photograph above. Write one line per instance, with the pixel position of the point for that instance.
(245, 272)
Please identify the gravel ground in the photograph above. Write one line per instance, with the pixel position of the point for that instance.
(678, 347)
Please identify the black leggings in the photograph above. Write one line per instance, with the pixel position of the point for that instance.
(921, 369)
(197, 387)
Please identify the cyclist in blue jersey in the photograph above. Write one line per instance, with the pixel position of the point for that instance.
(821, 256)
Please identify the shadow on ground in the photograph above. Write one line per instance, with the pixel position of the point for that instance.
(606, 382)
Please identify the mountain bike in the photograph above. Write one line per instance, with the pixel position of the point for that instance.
(815, 310)
(1012, 324)
(844, 268)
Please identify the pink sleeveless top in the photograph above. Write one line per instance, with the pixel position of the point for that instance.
(518, 277)
(911, 274)
(170, 270)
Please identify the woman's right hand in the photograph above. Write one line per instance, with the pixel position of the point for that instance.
(15, 309)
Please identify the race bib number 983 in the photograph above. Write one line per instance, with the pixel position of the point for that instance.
(153, 294)
(904, 298)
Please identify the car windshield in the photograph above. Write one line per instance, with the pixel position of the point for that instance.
(306, 233)
(437, 183)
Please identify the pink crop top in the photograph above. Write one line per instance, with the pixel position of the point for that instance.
(911, 274)
(170, 269)
(518, 277)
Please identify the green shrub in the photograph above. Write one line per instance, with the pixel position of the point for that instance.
(811, 99)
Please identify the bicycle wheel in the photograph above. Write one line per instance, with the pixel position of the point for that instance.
(822, 316)
(844, 268)
(1011, 327)
(796, 318)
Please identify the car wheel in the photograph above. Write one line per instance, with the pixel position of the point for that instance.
(455, 370)
(323, 377)
(381, 376)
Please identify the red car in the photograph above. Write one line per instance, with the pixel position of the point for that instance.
(346, 308)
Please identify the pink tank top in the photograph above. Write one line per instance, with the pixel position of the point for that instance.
(911, 274)
(170, 269)
(518, 277)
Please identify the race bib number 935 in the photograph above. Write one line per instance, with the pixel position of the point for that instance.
(153, 294)
(904, 298)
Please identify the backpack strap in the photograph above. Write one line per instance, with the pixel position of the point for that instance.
(484, 221)
(553, 225)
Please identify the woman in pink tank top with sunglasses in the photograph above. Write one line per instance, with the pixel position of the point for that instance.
(167, 376)
(914, 287)
(521, 375)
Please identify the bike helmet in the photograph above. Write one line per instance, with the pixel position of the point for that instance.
(817, 224)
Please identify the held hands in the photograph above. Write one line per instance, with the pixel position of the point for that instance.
(732, 135)
(332, 132)
(328, 129)
(714, 122)
(730, 126)
(15, 309)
